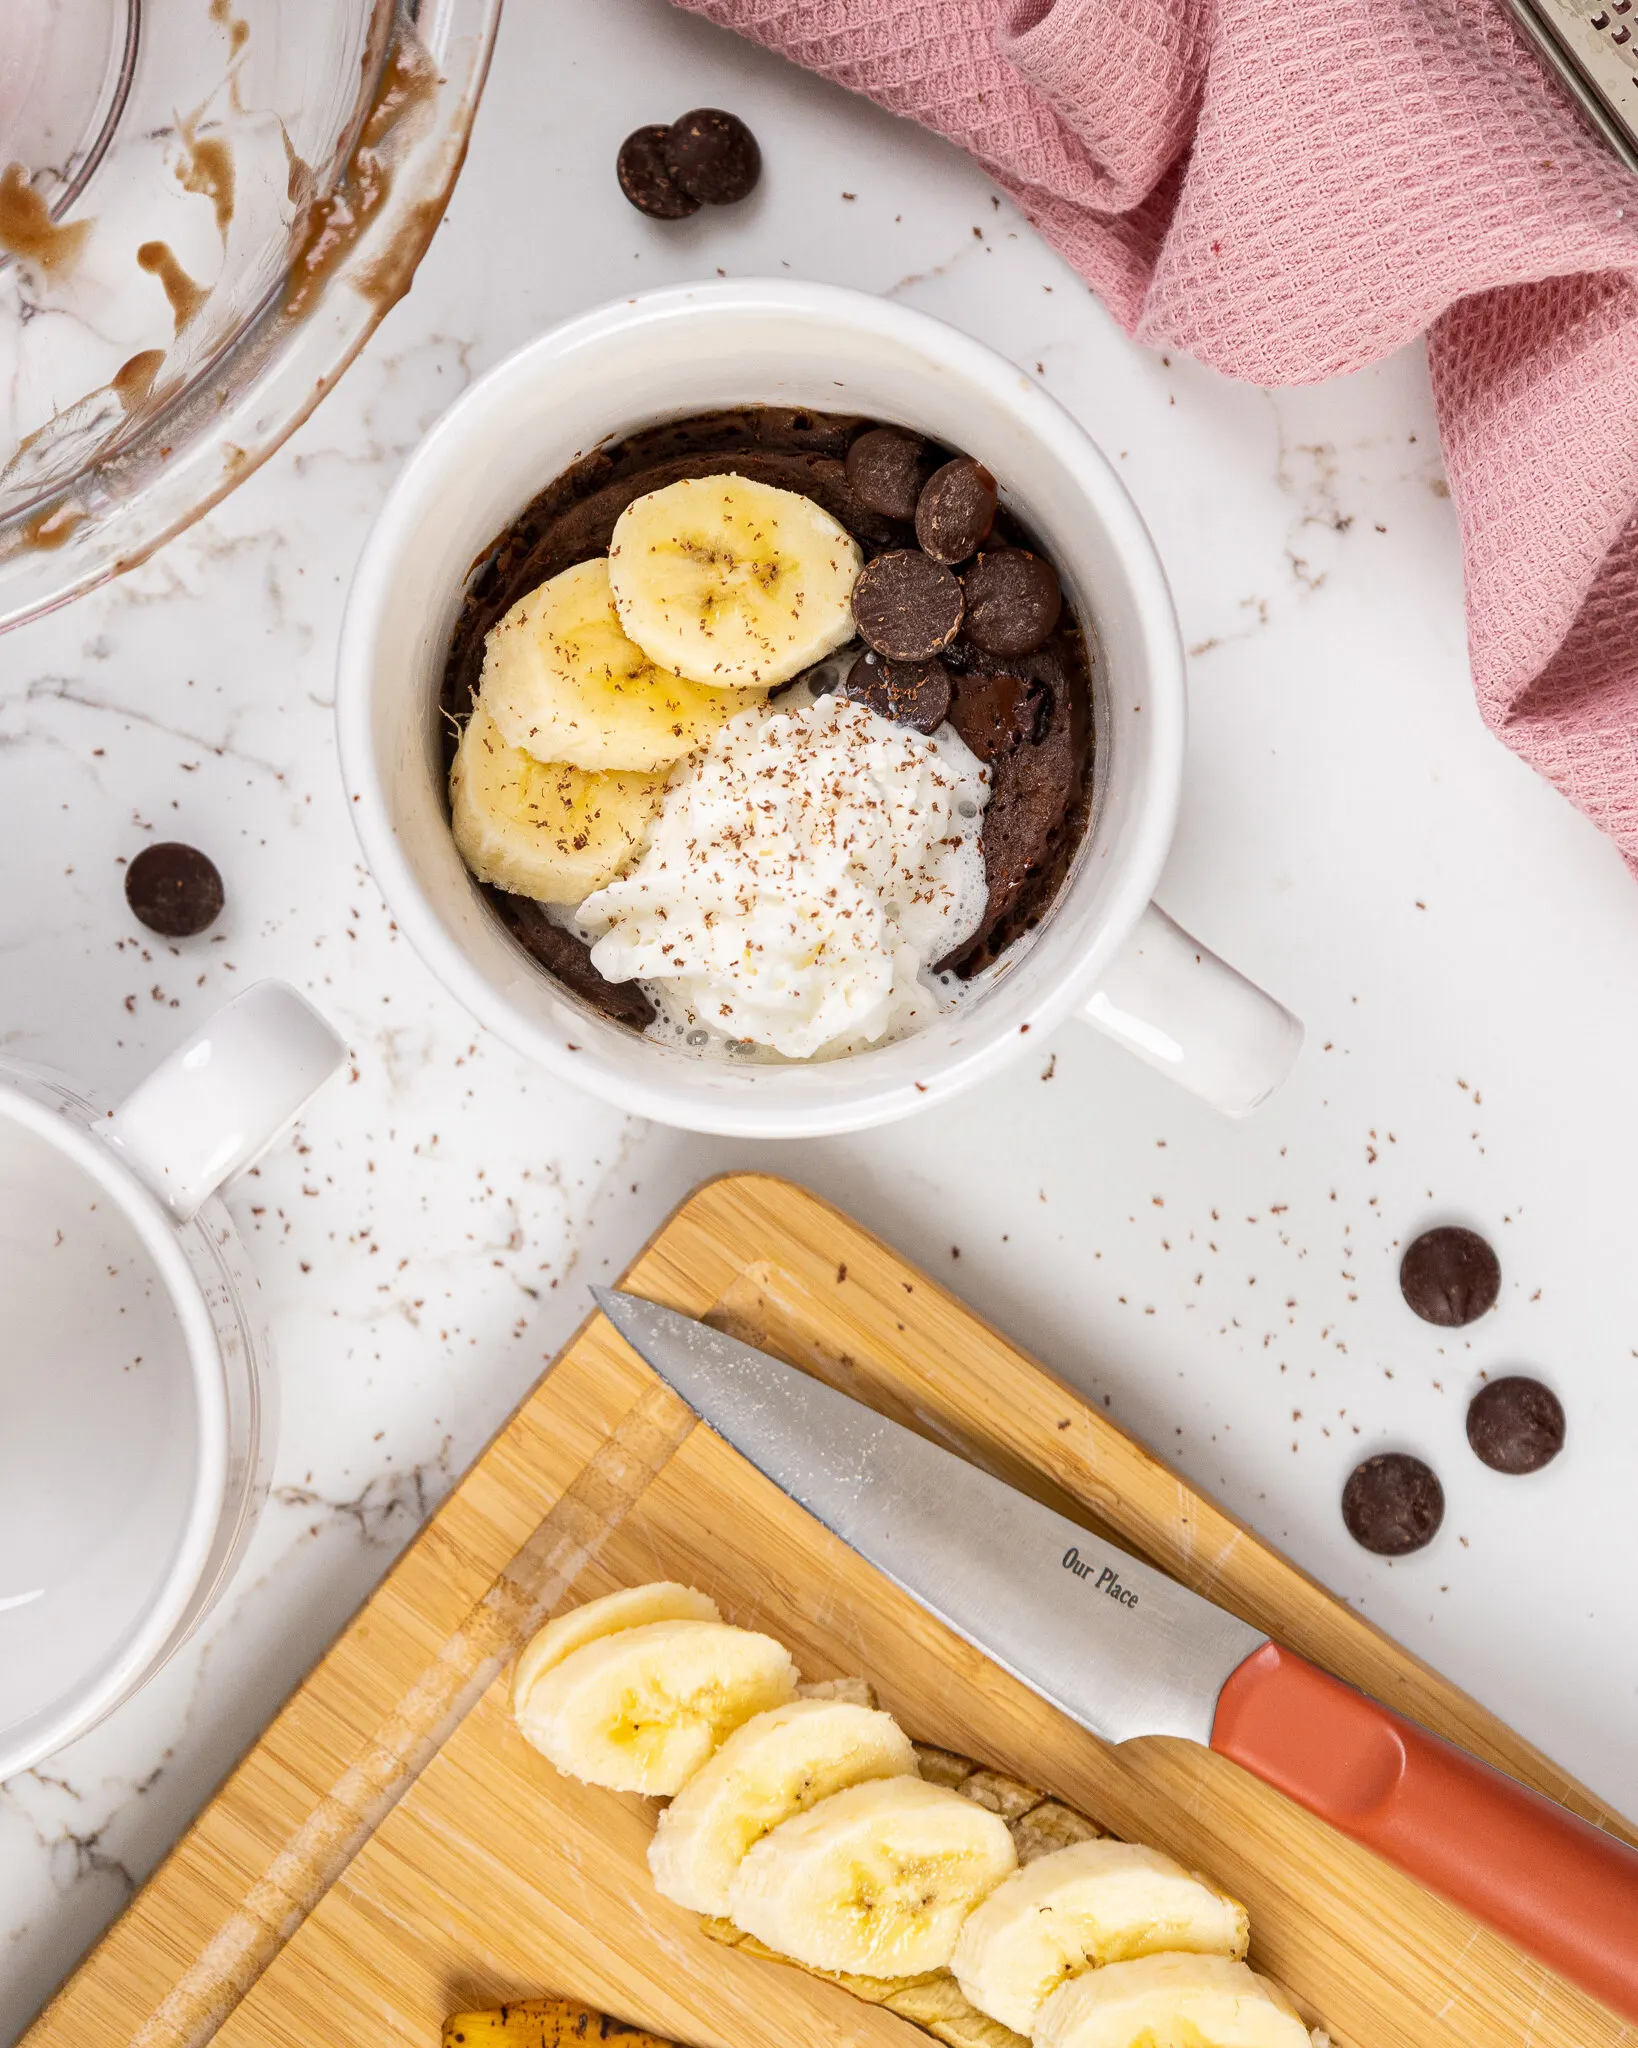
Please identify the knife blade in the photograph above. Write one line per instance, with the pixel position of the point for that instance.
(1126, 1652)
(1113, 1643)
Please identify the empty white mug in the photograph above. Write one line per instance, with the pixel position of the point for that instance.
(135, 1435)
(1105, 952)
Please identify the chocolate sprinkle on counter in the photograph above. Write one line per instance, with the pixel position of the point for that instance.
(174, 890)
(1450, 1276)
(1516, 1424)
(1393, 1504)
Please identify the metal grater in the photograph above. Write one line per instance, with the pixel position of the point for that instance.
(1593, 46)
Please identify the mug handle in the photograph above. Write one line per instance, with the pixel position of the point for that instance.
(1171, 1000)
(214, 1105)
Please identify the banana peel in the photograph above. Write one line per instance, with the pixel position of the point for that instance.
(934, 2001)
(543, 2023)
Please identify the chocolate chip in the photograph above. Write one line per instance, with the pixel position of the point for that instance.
(994, 714)
(906, 605)
(1013, 602)
(713, 156)
(1515, 1424)
(645, 180)
(1393, 1504)
(915, 693)
(955, 512)
(1450, 1276)
(174, 890)
(874, 528)
(885, 468)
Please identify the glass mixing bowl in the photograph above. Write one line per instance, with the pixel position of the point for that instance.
(205, 208)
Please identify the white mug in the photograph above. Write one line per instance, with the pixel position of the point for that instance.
(135, 1425)
(1105, 952)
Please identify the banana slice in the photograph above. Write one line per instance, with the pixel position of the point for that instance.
(733, 583)
(876, 1879)
(631, 1607)
(777, 1765)
(563, 682)
(544, 829)
(1080, 1909)
(1170, 2001)
(641, 1710)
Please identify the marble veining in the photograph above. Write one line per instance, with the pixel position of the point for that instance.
(1463, 947)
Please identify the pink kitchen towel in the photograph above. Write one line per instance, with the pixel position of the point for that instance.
(1287, 191)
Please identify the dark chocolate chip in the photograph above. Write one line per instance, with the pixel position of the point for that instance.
(906, 605)
(1013, 602)
(1393, 1504)
(875, 529)
(713, 156)
(174, 889)
(1450, 1276)
(955, 512)
(1515, 1424)
(913, 693)
(645, 180)
(884, 469)
(994, 714)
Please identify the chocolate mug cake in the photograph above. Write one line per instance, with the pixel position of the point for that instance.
(768, 730)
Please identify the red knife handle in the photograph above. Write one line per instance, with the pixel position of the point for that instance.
(1550, 1882)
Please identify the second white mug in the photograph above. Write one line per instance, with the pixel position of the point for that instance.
(137, 1430)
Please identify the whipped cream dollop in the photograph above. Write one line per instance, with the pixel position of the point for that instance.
(801, 879)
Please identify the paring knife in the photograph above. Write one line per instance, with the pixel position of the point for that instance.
(1125, 1651)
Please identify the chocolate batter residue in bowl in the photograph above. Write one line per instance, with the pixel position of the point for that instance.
(1028, 716)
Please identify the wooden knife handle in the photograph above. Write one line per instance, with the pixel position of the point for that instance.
(1550, 1882)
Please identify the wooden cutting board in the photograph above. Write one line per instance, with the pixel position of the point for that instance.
(392, 1851)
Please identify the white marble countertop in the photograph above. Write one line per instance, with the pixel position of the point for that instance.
(1463, 947)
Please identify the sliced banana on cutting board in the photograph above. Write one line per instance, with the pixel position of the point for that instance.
(642, 1709)
(563, 682)
(778, 1765)
(1170, 2001)
(876, 1879)
(733, 583)
(1082, 1908)
(803, 1815)
(631, 1607)
(543, 828)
